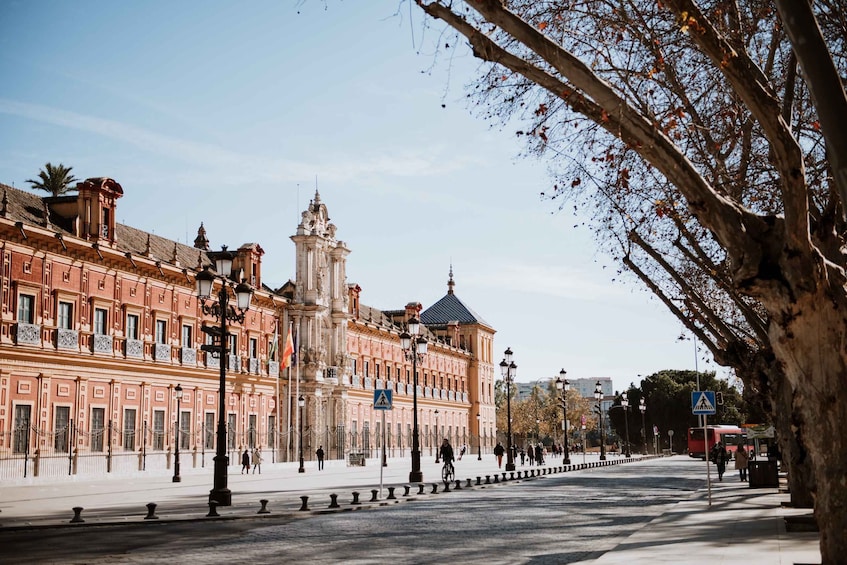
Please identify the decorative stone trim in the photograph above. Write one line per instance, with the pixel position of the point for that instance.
(161, 352)
(253, 365)
(134, 348)
(103, 343)
(212, 361)
(273, 368)
(188, 356)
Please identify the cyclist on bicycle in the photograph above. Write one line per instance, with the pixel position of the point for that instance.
(447, 453)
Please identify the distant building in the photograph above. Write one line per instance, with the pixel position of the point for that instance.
(584, 386)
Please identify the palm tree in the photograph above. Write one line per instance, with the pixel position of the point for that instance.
(55, 180)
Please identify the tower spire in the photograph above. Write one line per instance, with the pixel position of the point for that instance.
(450, 282)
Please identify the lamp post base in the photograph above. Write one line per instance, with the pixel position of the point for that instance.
(567, 461)
(302, 468)
(416, 475)
(510, 466)
(223, 497)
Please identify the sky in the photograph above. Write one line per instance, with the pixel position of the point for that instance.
(233, 114)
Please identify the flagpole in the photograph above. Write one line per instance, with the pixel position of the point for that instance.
(278, 413)
(288, 409)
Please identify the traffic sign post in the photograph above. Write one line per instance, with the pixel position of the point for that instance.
(703, 404)
(383, 402)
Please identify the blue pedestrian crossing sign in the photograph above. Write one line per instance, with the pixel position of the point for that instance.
(382, 399)
(703, 402)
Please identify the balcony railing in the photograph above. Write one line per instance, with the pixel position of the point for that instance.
(273, 368)
(102, 344)
(162, 352)
(28, 333)
(67, 339)
(188, 356)
(253, 365)
(134, 348)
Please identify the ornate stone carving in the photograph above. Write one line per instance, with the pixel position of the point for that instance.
(161, 352)
(134, 348)
(212, 360)
(102, 343)
(273, 368)
(188, 356)
(29, 333)
(67, 339)
(253, 365)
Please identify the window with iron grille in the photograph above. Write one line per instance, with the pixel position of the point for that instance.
(98, 428)
(129, 429)
(159, 430)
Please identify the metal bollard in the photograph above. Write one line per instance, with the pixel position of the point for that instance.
(264, 508)
(305, 500)
(469, 485)
(496, 478)
(151, 511)
(421, 488)
(458, 485)
(446, 486)
(406, 489)
(434, 488)
(374, 493)
(355, 498)
(390, 494)
(333, 501)
(77, 515)
(213, 509)
(488, 479)
(479, 480)
(504, 477)
(512, 476)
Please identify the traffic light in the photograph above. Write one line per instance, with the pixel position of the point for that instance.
(719, 398)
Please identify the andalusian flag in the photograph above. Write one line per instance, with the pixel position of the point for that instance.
(288, 351)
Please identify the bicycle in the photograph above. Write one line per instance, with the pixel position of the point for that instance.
(448, 472)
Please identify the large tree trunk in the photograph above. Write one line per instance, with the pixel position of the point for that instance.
(790, 432)
(810, 339)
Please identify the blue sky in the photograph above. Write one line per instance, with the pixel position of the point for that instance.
(232, 113)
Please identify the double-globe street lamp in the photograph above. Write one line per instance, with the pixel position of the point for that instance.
(508, 369)
(222, 311)
(598, 395)
(178, 392)
(643, 407)
(414, 347)
(564, 385)
(625, 404)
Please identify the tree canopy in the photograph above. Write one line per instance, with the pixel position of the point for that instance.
(56, 179)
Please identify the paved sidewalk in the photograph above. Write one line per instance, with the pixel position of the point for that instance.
(742, 525)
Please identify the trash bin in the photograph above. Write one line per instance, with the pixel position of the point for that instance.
(762, 474)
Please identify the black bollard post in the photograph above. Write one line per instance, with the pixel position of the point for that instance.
(77, 515)
(305, 500)
(355, 498)
(434, 488)
(488, 479)
(458, 484)
(496, 478)
(479, 480)
(469, 485)
(390, 494)
(151, 511)
(446, 486)
(333, 501)
(374, 493)
(213, 509)
(421, 488)
(406, 489)
(264, 508)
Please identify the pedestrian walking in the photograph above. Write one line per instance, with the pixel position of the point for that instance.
(523, 456)
(719, 456)
(741, 462)
(320, 454)
(499, 451)
(257, 460)
(245, 462)
(462, 451)
(530, 452)
(539, 454)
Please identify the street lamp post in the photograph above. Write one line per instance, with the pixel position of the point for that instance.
(625, 404)
(508, 369)
(435, 435)
(598, 394)
(479, 437)
(414, 346)
(643, 407)
(564, 385)
(222, 311)
(300, 403)
(177, 478)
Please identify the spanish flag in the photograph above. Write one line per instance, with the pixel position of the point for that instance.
(288, 351)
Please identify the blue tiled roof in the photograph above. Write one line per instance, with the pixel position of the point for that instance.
(450, 309)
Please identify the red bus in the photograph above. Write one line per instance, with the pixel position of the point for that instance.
(730, 436)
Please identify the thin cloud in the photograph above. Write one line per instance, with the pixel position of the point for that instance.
(547, 280)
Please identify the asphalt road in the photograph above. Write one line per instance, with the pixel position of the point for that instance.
(560, 518)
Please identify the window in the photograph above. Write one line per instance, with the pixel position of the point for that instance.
(129, 429)
(61, 427)
(101, 315)
(26, 308)
(132, 326)
(22, 426)
(104, 227)
(233, 344)
(230, 436)
(209, 431)
(251, 432)
(367, 369)
(159, 430)
(376, 367)
(64, 317)
(98, 428)
(354, 367)
(161, 331)
(271, 431)
(185, 430)
(187, 332)
(254, 348)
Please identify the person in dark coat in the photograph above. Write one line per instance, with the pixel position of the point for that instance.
(320, 454)
(539, 454)
(719, 456)
(245, 462)
(498, 452)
